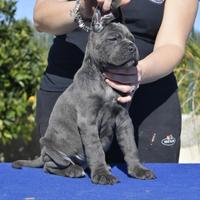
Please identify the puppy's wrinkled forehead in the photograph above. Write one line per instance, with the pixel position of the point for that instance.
(115, 29)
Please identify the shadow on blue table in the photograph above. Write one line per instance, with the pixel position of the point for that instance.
(174, 182)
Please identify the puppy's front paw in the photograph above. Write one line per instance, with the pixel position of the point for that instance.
(104, 179)
(141, 173)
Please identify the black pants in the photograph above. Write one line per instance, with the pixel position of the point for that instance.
(154, 110)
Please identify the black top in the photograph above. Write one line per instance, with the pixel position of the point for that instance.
(143, 18)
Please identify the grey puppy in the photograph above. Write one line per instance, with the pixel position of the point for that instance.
(87, 115)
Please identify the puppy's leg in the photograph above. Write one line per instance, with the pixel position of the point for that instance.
(72, 170)
(125, 138)
(106, 126)
(95, 155)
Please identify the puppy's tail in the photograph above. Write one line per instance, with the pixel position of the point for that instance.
(38, 162)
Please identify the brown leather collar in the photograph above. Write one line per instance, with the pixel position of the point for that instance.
(122, 75)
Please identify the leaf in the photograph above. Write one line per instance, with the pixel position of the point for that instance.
(7, 135)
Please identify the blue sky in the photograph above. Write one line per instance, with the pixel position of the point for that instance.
(25, 9)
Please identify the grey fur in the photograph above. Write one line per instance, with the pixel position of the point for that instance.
(86, 116)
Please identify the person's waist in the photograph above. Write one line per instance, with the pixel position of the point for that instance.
(67, 69)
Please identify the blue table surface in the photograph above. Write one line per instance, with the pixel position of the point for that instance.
(174, 182)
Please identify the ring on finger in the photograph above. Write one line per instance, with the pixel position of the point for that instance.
(134, 88)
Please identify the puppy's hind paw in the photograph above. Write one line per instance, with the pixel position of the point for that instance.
(74, 171)
(104, 179)
(141, 173)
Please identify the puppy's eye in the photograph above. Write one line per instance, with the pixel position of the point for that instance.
(114, 38)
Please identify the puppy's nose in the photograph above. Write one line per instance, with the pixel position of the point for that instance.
(131, 48)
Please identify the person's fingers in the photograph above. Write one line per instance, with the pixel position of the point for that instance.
(124, 2)
(100, 2)
(125, 99)
(107, 5)
(120, 87)
(139, 73)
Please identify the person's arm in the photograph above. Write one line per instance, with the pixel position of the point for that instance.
(170, 43)
(53, 16)
(169, 47)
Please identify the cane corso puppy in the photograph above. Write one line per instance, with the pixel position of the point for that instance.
(87, 115)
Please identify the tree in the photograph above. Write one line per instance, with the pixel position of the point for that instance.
(22, 61)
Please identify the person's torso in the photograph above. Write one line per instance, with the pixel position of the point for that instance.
(143, 18)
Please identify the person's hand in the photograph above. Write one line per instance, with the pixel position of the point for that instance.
(126, 89)
(87, 6)
(106, 4)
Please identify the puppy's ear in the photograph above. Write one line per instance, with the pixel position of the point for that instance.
(99, 20)
(96, 20)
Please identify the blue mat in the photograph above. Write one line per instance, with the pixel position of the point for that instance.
(174, 182)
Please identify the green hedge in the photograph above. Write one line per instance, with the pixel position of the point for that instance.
(22, 60)
(188, 76)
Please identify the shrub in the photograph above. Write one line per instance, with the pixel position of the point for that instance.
(188, 76)
(22, 61)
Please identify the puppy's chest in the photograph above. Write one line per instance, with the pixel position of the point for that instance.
(110, 95)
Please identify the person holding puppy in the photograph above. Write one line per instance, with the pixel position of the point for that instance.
(161, 29)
